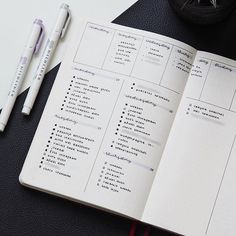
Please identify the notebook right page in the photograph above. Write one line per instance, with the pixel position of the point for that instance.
(194, 190)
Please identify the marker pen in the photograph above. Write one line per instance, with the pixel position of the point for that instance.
(57, 32)
(32, 46)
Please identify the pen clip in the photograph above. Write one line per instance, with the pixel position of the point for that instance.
(66, 23)
(41, 35)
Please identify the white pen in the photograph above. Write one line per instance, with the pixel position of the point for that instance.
(32, 46)
(58, 32)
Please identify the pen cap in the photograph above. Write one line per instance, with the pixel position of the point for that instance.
(62, 20)
(66, 24)
(36, 35)
(64, 6)
(41, 36)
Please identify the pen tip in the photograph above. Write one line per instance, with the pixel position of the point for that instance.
(26, 111)
(2, 127)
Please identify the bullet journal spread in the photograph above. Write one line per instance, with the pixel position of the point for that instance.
(140, 125)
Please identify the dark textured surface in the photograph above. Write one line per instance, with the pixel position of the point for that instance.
(28, 212)
(203, 12)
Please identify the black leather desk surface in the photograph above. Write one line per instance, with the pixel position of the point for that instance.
(28, 212)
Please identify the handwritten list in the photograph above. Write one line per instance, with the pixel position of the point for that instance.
(109, 114)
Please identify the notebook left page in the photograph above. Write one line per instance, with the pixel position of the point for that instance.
(107, 119)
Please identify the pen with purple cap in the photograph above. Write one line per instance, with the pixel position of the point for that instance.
(58, 32)
(31, 48)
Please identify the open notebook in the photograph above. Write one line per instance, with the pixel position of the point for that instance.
(140, 125)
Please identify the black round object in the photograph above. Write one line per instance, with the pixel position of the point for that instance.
(203, 11)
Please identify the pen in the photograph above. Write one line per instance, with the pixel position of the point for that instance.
(32, 46)
(57, 32)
